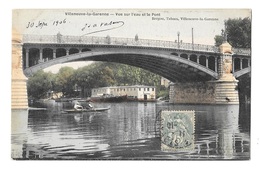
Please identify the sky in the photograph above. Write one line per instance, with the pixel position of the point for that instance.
(162, 24)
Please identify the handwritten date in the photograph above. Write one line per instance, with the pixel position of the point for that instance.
(41, 24)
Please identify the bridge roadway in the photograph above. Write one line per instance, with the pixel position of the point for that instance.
(181, 62)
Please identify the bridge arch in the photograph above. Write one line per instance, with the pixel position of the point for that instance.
(60, 52)
(47, 54)
(212, 63)
(34, 56)
(73, 51)
(172, 67)
(184, 55)
(194, 58)
(61, 48)
(240, 63)
(202, 60)
(175, 54)
(245, 63)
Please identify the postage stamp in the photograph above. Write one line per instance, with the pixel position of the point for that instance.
(177, 130)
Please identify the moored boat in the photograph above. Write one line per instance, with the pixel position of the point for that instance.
(108, 98)
(86, 110)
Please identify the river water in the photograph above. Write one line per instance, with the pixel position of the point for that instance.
(129, 130)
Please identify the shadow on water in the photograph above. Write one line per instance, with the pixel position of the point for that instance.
(127, 131)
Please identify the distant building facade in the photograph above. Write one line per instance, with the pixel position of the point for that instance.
(135, 92)
(165, 82)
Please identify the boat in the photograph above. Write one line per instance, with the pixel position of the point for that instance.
(70, 100)
(85, 110)
(63, 100)
(108, 98)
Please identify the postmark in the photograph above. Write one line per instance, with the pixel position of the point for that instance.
(177, 130)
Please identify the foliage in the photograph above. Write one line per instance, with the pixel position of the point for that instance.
(238, 33)
(129, 75)
(64, 81)
(98, 74)
(218, 40)
(39, 84)
(94, 75)
(163, 92)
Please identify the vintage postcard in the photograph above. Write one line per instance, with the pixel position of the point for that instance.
(131, 84)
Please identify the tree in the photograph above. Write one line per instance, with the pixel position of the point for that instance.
(238, 33)
(98, 74)
(64, 81)
(40, 84)
(218, 40)
(94, 75)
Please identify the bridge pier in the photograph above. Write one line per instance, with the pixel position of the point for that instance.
(19, 103)
(222, 91)
(19, 88)
(212, 92)
(226, 85)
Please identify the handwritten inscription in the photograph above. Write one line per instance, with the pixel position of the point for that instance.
(41, 24)
(88, 28)
(103, 26)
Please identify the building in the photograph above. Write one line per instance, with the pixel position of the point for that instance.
(165, 82)
(135, 92)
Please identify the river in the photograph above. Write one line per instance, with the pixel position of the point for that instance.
(129, 131)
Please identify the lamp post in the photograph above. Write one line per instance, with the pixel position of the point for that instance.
(192, 40)
(178, 34)
(225, 32)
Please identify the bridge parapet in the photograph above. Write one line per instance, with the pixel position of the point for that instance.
(59, 39)
(242, 51)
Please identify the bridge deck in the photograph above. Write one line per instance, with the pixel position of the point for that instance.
(59, 39)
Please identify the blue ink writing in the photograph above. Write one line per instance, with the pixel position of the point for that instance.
(100, 27)
(41, 24)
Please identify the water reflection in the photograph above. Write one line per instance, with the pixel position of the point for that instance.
(19, 132)
(128, 131)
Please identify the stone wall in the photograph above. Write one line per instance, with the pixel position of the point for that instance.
(215, 92)
(192, 93)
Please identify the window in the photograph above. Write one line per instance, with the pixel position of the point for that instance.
(144, 89)
(147, 89)
(152, 89)
(139, 89)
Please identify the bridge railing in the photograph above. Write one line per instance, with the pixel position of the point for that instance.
(242, 51)
(59, 39)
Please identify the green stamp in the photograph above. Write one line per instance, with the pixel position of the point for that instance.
(177, 130)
